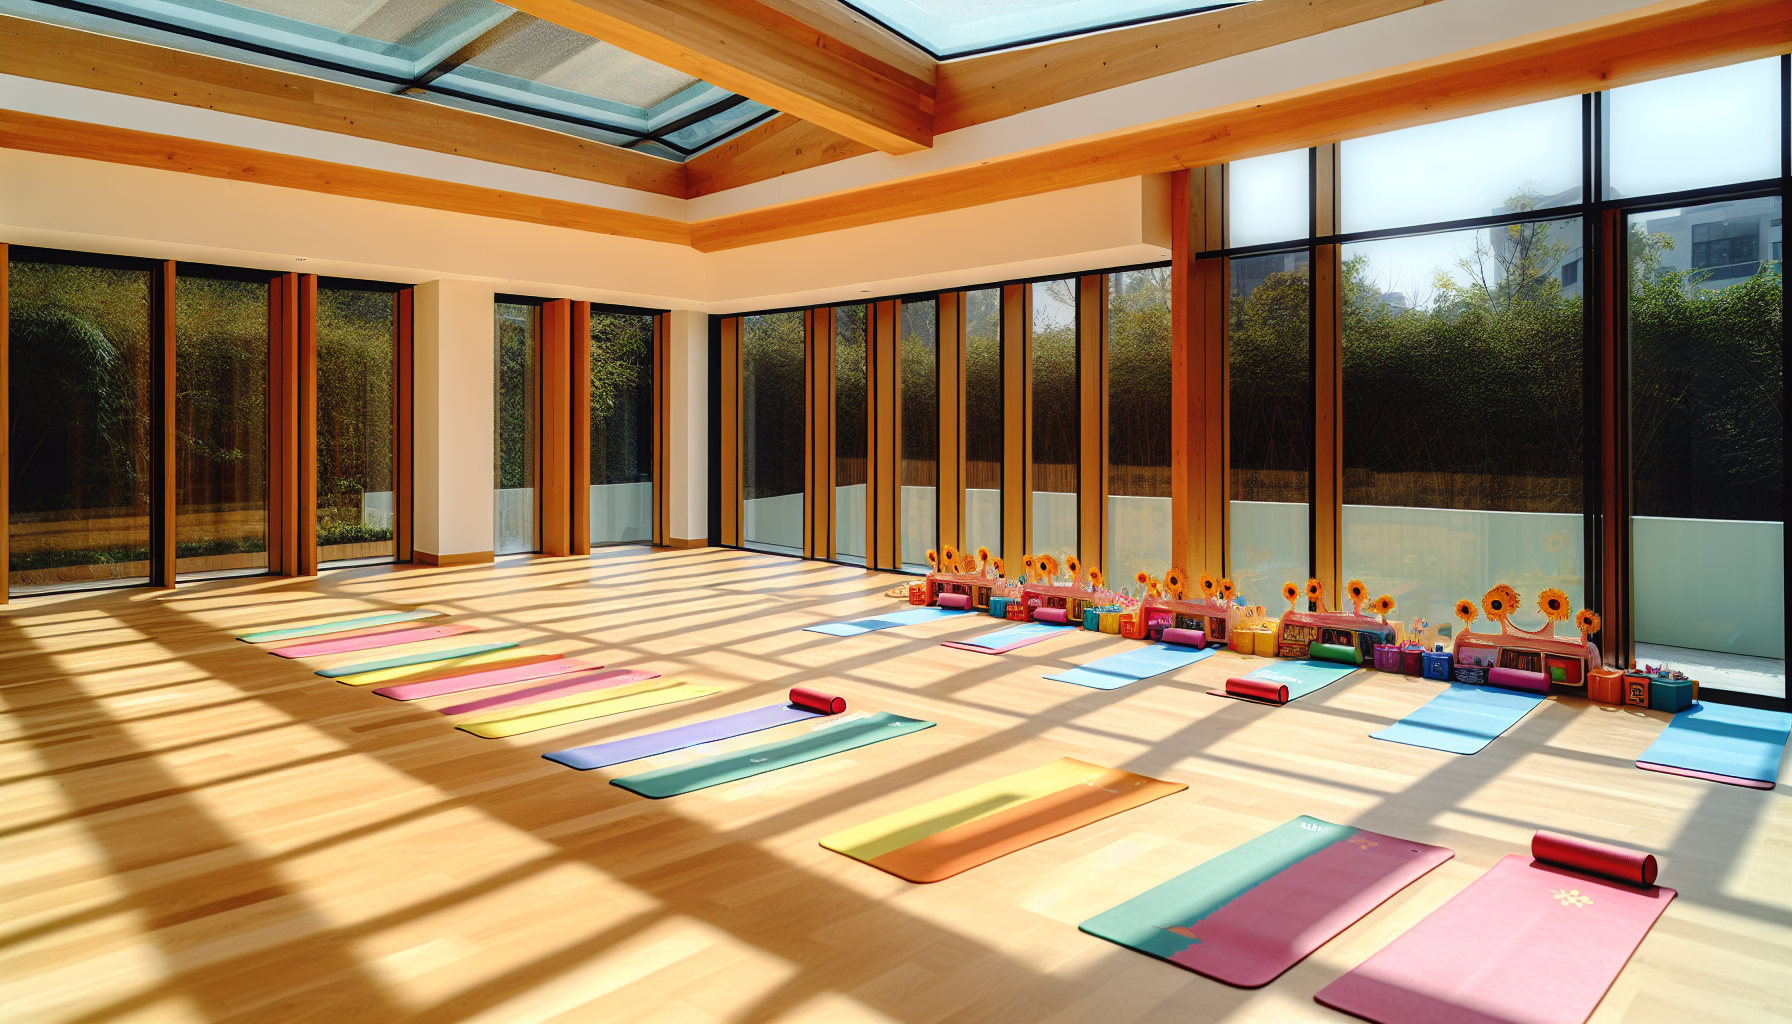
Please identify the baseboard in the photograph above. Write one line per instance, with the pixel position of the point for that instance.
(461, 558)
(680, 542)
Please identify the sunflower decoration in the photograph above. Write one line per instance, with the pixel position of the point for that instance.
(1209, 585)
(1143, 579)
(1048, 568)
(1359, 592)
(950, 559)
(1588, 621)
(1499, 603)
(1554, 605)
(1073, 567)
(1029, 563)
(982, 555)
(1467, 612)
(1290, 593)
(1175, 582)
(933, 558)
(1316, 592)
(1095, 578)
(1383, 605)
(1227, 589)
(997, 562)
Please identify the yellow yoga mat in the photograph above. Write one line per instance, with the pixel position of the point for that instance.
(582, 697)
(585, 712)
(430, 670)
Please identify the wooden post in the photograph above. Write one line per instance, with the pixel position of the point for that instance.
(1092, 386)
(162, 422)
(950, 481)
(1198, 498)
(403, 432)
(283, 426)
(661, 437)
(818, 529)
(1617, 634)
(883, 506)
(578, 411)
(730, 475)
(304, 518)
(553, 419)
(1017, 434)
(5, 418)
(1327, 536)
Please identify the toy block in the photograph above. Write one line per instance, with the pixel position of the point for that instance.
(1605, 685)
(1437, 665)
(1670, 694)
(1636, 689)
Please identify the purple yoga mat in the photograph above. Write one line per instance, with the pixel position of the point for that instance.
(370, 642)
(560, 687)
(599, 755)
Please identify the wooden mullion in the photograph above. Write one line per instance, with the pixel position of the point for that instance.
(729, 427)
(1017, 433)
(403, 428)
(949, 491)
(1617, 634)
(304, 516)
(6, 416)
(883, 510)
(163, 480)
(1092, 452)
(1198, 306)
(661, 438)
(553, 418)
(1326, 489)
(579, 427)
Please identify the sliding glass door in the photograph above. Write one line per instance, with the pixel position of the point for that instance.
(221, 420)
(516, 351)
(772, 407)
(357, 361)
(621, 427)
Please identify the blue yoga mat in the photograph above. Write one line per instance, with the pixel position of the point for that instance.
(412, 659)
(766, 757)
(1012, 635)
(904, 618)
(1723, 739)
(1462, 719)
(602, 755)
(1117, 670)
(1303, 677)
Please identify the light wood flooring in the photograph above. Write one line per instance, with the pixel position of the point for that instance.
(197, 831)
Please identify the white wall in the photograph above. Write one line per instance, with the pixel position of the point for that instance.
(687, 428)
(453, 366)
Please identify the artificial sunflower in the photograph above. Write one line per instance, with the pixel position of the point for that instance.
(1467, 612)
(982, 555)
(1072, 566)
(1554, 605)
(933, 558)
(1588, 621)
(1029, 561)
(1383, 604)
(1358, 591)
(1048, 568)
(1175, 581)
(1095, 578)
(1227, 588)
(1315, 590)
(997, 562)
(1499, 603)
(1209, 585)
(1290, 593)
(1143, 578)
(951, 555)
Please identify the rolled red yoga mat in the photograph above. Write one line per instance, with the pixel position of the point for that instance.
(1258, 689)
(956, 602)
(1633, 867)
(1186, 637)
(815, 700)
(1055, 616)
(1518, 679)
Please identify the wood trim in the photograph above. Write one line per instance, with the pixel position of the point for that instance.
(305, 468)
(883, 504)
(553, 425)
(59, 137)
(461, 558)
(1669, 38)
(163, 482)
(661, 439)
(730, 470)
(1327, 488)
(685, 544)
(1092, 390)
(578, 428)
(818, 439)
(779, 146)
(1617, 635)
(404, 436)
(283, 426)
(840, 21)
(760, 52)
(1017, 435)
(949, 500)
(6, 414)
(1199, 501)
(90, 60)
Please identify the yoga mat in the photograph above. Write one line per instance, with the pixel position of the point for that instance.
(1335, 652)
(756, 760)
(585, 711)
(1527, 942)
(510, 657)
(1463, 719)
(561, 686)
(1301, 677)
(955, 833)
(1004, 640)
(405, 660)
(1117, 670)
(602, 755)
(1722, 742)
(371, 641)
(1249, 914)
(338, 626)
(1260, 690)
(904, 618)
(540, 666)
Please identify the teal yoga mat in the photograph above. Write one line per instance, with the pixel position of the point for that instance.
(1723, 743)
(1301, 677)
(876, 622)
(411, 659)
(1462, 719)
(342, 625)
(757, 760)
(1117, 670)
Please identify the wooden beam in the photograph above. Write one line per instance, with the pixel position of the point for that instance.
(1017, 432)
(1198, 498)
(1092, 387)
(39, 134)
(840, 21)
(553, 418)
(1669, 38)
(579, 427)
(760, 52)
(51, 53)
(163, 480)
(779, 146)
(402, 432)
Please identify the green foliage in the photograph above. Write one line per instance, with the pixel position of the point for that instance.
(1139, 357)
(772, 351)
(985, 423)
(851, 436)
(350, 533)
(65, 557)
(514, 384)
(621, 398)
(1057, 425)
(355, 393)
(920, 392)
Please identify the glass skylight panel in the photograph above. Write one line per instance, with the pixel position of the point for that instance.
(954, 28)
(545, 54)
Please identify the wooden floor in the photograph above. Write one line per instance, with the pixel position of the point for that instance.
(197, 831)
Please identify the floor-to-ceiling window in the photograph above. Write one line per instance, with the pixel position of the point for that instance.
(985, 425)
(851, 436)
(356, 392)
(919, 343)
(514, 401)
(1057, 418)
(621, 427)
(1463, 426)
(79, 430)
(1705, 324)
(221, 420)
(1138, 423)
(772, 411)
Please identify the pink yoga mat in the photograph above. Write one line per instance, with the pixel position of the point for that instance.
(1528, 943)
(1518, 679)
(1693, 773)
(559, 687)
(535, 667)
(369, 642)
(1185, 637)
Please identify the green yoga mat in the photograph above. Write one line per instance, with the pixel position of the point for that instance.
(751, 761)
(411, 659)
(337, 626)
(1335, 652)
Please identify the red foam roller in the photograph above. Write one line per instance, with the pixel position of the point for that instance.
(1576, 854)
(1518, 679)
(815, 700)
(1185, 637)
(1056, 616)
(957, 602)
(1257, 689)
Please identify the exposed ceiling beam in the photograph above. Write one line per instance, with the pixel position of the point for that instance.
(779, 146)
(864, 34)
(765, 54)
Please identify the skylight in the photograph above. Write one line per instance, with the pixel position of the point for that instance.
(957, 28)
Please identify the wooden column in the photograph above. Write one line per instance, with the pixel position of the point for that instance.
(305, 470)
(950, 492)
(1092, 391)
(1612, 506)
(5, 418)
(1198, 306)
(661, 440)
(161, 426)
(283, 426)
(553, 422)
(1327, 536)
(883, 505)
(404, 429)
(730, 470)
(1017, 433)
(818, 531)
(578, 412)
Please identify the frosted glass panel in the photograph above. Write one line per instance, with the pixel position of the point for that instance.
(1270, 199)
(849, 523)
(920, 525)
(775, 523)
(1138, 537)
(984, 423)
(622, 513)
(1138, 422)
(1057, 424)
(1054, 524)
(920, 431)
(1269, 548)
(1692, 131)
(513, 519)
(1522, 158)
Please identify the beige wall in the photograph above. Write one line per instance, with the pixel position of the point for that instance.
(454, 416)
(687, 428)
